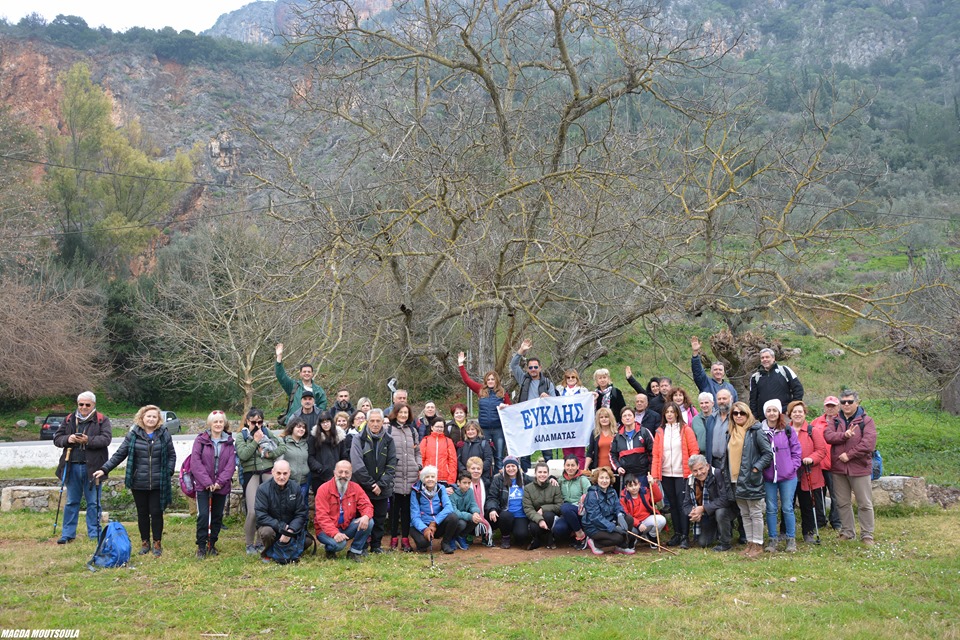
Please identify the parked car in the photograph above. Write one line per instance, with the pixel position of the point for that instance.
(50, 425)
(171, 420)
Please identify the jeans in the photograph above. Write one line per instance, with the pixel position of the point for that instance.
(785, 489)
(499, 447)
(353, 532)
(79, 486)
(569, 521)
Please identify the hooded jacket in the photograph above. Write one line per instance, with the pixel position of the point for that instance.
(438, 450)
(207, 468)
(757, 456)
(859, 448)
(600, 510)
(425, 509)
(786, 454)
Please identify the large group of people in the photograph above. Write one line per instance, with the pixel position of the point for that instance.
(344, 474)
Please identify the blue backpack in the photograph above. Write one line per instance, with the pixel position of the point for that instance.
(113, 549)
(285, 553)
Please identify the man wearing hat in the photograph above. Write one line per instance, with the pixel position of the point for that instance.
(831, 409)
(308, 410)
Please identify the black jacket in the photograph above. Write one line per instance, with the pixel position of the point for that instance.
(146, 470)
(634, 455)
(780, 383)
(498, 497)
(651, 420)
(374, 460)
(617, 402)
(97, 428)
(717, 493)
(480, 448)
(323, 458)
(281, 508)
(757, 454)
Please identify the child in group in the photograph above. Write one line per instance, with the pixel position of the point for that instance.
(465, 506)
(639, 508)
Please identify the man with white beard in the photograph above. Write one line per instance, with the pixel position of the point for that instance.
(338, 503)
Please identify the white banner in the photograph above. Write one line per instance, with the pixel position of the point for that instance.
(547, 423)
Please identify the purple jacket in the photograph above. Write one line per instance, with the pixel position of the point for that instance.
(786, 454)
(202, 463)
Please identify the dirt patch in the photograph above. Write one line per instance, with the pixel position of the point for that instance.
(946, 497)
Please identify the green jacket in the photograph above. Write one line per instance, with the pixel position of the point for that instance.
(464, 504)
(573, 490)
(297, 454)
(294, 390)
(536, 496)
(251, 458)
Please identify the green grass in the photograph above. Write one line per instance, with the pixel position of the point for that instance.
(905, 587)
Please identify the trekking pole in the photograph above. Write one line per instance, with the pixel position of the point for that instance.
(647, 540)
(813, 503)
(63, 480)
(91, 564)
(209, 518)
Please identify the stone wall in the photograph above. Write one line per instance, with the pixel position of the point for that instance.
(903, 490)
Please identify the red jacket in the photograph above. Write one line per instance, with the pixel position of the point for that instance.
(635, 508)
(438, 450)
(821, 423)
(815, 447)
(688, 447)
(328, 506)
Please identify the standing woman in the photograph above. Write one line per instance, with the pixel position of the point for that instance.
(374, 459)
(257, 450)
(296, 453)
(490, 396)
(604, 431)
(673, 445)
(607, 395)
(409, 464)
(780, 478)
(151, 461)
(357, 422)
(325, 448)
(425, 420)
(364, 405)
(437, 450)
(476, 445)
(457, 427)
(687, 411)
(748, 454)
(813, 450)
(212, 466)
(572, 386)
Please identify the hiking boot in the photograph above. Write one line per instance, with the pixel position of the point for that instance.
(809, 538)
(144, 547)
(332, 555)
(844, 536)
(157, 549)
(377, 550)
(771, 546)
(627, 551)
(594, 549)
(757, 551)
(791, 545)
(356, 557)
(447, 548)
(723, 547)
(251, 549)
(69, 540)
(505, 542)
(394, 543)
(868, 542)
(405, 545)
(462, 543)
(684, 543)
(212, 550)
(551, 543)
(201, 553)
(674, 540)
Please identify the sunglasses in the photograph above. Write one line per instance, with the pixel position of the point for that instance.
(533, 367)
(848, 402)
(738, 413)
(84, 404)
(255, 422)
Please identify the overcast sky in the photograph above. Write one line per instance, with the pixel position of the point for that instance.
(120, 15)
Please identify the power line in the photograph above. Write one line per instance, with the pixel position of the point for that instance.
(107, 173)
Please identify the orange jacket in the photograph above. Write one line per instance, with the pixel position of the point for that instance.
(438, 450)
(688, 447)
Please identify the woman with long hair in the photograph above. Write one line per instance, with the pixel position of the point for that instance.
(409, 463)
(604, 431)
(504, 507)
(490, 396)
(151, 461)
(297, 451)
(572, 386)
(748, 454)
(687, 410)
(213, 461)
(673, 445)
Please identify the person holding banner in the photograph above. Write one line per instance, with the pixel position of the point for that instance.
(504, 505)
(571, 387)
(604, 521)
(490, 396)
(532, 385)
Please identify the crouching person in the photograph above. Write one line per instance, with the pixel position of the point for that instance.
(281, 516)
(708, 502)
(432, 513)
(638, 504)
(465, 506)
(343, 513)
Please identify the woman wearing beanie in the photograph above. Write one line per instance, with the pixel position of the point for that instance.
(780, 478)
(505, 504)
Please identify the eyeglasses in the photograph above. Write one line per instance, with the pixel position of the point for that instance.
(848, 402)
(533, 367)
(738, 413)
(84, 404)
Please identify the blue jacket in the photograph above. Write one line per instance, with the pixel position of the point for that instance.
(423, 510)
(600, 510)
(706, 383)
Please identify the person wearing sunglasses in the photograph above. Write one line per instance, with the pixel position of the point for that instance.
(853, 439)
(257, 450)
(748, 453)
(532, 383)
(84, 436)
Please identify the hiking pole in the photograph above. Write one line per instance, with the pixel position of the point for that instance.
(100, 536)
(648, 541)
(209, 518)
(813, 503)
(63, 480)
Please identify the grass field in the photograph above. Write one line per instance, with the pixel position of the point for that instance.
(907, 586)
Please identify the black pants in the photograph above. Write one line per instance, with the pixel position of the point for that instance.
(379, 519)
(810, 509)
(609, 539)
(149, 513)
(400, 515)
(673, 492)
(449, 529)
(538, 533)
(207, 517)
(514, 527)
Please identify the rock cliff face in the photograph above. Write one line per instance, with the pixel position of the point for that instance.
(268, 21)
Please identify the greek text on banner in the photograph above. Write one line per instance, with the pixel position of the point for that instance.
(547, 423)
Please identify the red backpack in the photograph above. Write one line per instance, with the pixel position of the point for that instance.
(186, 479)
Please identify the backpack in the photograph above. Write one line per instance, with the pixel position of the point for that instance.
(186, 479)
(113, 549)
(877, 465)
(285, 553)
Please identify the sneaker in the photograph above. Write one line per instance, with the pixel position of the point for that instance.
(265, 560)
(627, 551)
(251, 549)
(809, 538)
(791, 545)
(489, 541)
(723, 547)
(462, 543)
(332, 555)
(594, 549)
(69, 540)
(844, 536)
(447, 548)
(201, 553)
(258, 547)
(771, 546)
(356, 557)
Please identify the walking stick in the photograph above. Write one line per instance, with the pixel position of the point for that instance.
(647, 540)
(431, 552)
(92, 563)
(209, 518)
(63, 480)
(813, 503)
(653, 505)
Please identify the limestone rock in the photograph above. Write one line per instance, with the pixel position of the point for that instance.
(905, 490)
